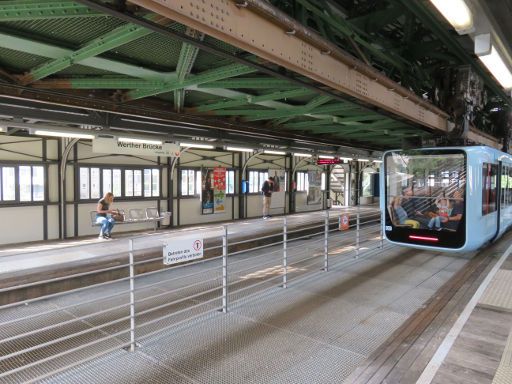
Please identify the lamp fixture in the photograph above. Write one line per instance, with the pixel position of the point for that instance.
(69, 134)
(346, 158)
(363, 160)
(457, 13)
(302, 155)
(493, 61)
(377, 161)
(197, 145)
(2, 128)
(325, 157)
(138, 141)
(239, 149)
(274, 152)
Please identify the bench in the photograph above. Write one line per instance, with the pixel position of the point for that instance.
(135, 216)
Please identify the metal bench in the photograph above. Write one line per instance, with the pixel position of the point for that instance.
(149, 215)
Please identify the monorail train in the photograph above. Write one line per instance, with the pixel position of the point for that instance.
(451, 199)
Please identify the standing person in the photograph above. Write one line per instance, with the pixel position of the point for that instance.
(102, 209)
(267, 189)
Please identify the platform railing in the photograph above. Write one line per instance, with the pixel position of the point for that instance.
(43, 336)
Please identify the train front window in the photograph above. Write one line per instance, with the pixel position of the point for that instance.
(425, 192)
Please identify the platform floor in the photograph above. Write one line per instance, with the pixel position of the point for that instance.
(318, 330)
(46, 254)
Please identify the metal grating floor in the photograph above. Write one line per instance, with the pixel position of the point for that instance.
(318, 330)
(499, 292)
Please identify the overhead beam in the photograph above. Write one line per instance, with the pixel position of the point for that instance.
(227, 71)
(34, 47)
(350, 32)
(113, 39)
(429, 21)
(96, 83)
(316, 102)
(188, 55)
(44, 9)
(249, 99)
(298, 111)
(266, 38)
(319, 126)
(250, 83)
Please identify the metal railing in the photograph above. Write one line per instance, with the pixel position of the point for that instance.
(42, 336)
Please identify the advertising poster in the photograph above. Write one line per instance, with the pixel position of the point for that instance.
(219, 189)
(315, 187)
(206, 191)
(278, 194)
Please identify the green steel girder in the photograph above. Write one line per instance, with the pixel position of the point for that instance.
(119, 36)
(358, 36)
(316, 102)
(430, 21)
(227, 71)
(97, 83)
(357, 116)
(363, 129)
(250, 83)
(374, 21)
(261, 114)
(298, 111)
(43, 9)
(254, 99)
(343, 121)
(32, 46)
(188, 55)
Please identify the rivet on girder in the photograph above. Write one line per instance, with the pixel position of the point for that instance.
(327, 52)
(241, 4)
(291, 32)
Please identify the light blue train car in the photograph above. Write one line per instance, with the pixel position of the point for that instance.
(452, 199)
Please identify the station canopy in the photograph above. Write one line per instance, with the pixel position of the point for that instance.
(119, 59)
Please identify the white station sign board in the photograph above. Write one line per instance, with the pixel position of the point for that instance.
(181, 249)
(106, 145)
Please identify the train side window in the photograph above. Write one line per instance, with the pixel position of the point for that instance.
(505, 186)
(489, 174)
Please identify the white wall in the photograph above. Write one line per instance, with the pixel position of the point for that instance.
(30, 217)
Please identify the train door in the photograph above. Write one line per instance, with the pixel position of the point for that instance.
(490, 199)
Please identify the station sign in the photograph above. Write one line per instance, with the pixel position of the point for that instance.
(108, 145)
(328, 161)
(181, 249)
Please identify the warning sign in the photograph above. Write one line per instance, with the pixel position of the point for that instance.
(182, 249)
(344, 222)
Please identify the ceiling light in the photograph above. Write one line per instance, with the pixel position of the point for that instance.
(274, 152)
(140, 141)
(239, 149)
(2, 128)
(457, 13)
(377, 161)
(196, 145)
(363, 160)
(325, 157)
(73, 135)
(491, 58)
(302, 155)
(346, 158)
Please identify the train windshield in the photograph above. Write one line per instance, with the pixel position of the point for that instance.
(425, 193)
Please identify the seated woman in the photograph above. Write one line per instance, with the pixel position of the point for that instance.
(399, 214)
(102, 209)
